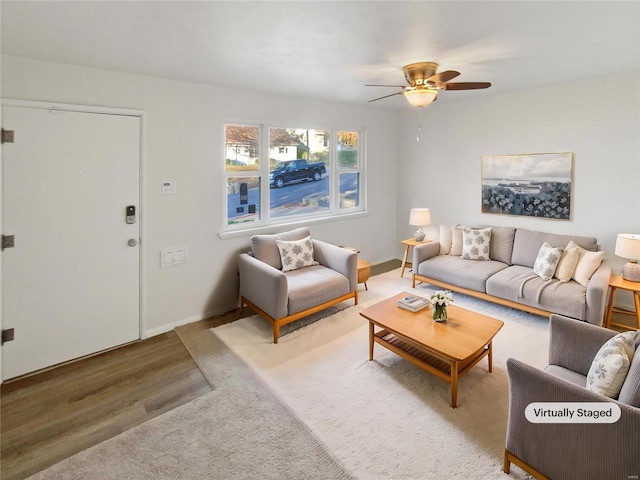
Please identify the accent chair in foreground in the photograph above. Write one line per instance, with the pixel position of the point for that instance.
(577, 367)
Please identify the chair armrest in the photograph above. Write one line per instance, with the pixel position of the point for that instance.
(569, 450)
(573, 344)
(263, 285)
(423, 252)
(340, 259)
(597, 294)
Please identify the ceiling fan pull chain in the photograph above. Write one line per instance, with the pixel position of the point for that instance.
(419, 124)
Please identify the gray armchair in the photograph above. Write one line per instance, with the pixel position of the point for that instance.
(283, 297)
(572, 450)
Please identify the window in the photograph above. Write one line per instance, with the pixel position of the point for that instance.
(242, 166)
(302, 173)
(306, 177)
(348, 169)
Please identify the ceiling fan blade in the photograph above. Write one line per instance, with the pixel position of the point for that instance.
(386, 96)
(442, 77)
(374, 85)
(464, 85)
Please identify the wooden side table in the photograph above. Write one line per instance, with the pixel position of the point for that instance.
(364, 271)
(616, 282)
(364, 268)
(409, 242)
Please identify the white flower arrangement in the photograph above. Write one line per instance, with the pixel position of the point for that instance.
(441, 298)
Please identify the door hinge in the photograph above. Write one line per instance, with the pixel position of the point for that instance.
(8, 335)
(8, 241)
(7, 136)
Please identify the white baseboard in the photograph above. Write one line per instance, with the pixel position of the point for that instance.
(152, 332)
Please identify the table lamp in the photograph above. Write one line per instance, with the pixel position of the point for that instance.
(419, 217)
(628, 246)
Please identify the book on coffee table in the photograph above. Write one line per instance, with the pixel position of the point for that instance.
(413, 303)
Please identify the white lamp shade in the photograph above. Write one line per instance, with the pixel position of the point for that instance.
(420, 97)
(628, 246)
(420, 217)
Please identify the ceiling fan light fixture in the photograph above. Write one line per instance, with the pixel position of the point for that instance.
(420, 97)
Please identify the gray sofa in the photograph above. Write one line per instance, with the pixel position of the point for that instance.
(282, 297)
(508, 277)
(572, 450)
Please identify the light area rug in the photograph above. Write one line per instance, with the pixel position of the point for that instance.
(388, 419)
(239, 431)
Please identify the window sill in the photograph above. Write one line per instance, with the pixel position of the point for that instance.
(266, 229)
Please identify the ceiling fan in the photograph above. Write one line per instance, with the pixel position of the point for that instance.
(425, 83)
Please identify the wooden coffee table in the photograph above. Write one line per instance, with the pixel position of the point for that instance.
(447, 350)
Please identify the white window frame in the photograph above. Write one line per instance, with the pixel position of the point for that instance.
(268, 224)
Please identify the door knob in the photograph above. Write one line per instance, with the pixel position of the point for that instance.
(132, 242)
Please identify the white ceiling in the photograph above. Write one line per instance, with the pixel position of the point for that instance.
(329, 50)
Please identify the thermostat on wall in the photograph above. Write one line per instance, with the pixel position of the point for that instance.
(168, 188)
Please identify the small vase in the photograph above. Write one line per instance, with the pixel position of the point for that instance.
(439, 313)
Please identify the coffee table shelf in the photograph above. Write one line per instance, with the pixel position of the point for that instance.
(441, 368)
(418, 357)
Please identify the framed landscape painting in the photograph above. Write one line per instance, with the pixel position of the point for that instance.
(532, 185)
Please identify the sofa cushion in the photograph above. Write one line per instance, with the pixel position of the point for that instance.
(458, 271)
(527, 243)
(296, 254)
(630, 391)
(547, 261)
(476, 243)
(264, 247)
(312, 286)
(502, 244)
(610, 365)
(520, 284)
(567, 264)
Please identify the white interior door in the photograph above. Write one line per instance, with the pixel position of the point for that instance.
(70, 285)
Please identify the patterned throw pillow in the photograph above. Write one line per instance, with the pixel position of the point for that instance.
(296, 254)
(476, 243)
(611, 364)
(547, 261)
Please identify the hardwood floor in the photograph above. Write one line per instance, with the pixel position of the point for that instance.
(49, 416)
(54, 414)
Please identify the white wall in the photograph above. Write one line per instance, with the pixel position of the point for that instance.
(597, 119)
(184, 143)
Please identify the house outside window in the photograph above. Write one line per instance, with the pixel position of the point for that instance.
(278, 175)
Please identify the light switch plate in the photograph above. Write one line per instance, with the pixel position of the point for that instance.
(173, 256)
